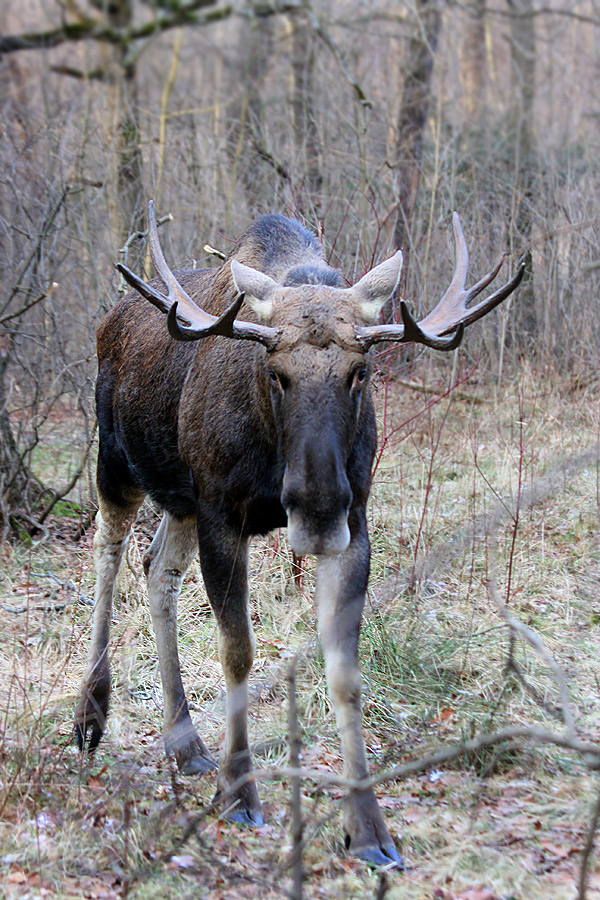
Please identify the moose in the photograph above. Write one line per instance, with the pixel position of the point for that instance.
(238, 426)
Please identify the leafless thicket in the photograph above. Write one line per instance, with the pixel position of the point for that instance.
(370, 121)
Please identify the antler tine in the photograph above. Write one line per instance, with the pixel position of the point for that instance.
(223, 325)
(461, 251)
(455, 298)
(146, 290)
(195, 323)
(481, 285)
(187, 308)
(452, 314)
(489, 303)
(226, 326)
(414, 334)
(453, 307)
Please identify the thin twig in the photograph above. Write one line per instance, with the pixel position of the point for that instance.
(296, 795)
(382, 887)
(457, 395)
(587, 850)
(268, 157)
(534, 640)
(184, 14)
(58, 495)
(214, 252)
(122, 286)
(68, 585)
(337, 53)
(196, 823)
(29, 305)
(34, 526)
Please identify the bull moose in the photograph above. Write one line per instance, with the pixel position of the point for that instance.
(235, 427)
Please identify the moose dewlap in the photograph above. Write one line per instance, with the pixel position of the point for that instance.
(235, 427)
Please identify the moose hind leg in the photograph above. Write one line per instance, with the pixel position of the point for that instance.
(340, 585)
(113, 526)
(224, 560)
(166, 562)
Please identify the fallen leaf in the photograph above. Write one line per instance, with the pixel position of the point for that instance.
(17, 877)
(95, 783)
(244, 857)
(99, 816)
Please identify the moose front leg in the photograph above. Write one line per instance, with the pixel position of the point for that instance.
(113, 526)
(341, 583)
(166, 562)
(224, 561)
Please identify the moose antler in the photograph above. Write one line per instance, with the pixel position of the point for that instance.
(186, 320)
(452, 314)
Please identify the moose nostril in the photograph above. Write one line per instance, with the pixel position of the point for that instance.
(315, 482)
(291, 499)
(326, 503)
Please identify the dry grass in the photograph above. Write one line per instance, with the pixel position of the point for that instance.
(434, 652)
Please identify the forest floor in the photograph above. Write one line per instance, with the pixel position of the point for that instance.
(486, 485)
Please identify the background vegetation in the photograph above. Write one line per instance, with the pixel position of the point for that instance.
(372, 122)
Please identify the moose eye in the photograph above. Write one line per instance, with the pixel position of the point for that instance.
(358, 377)
(277, 381)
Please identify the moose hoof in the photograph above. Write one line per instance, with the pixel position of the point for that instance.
(191, 753)
(367, 836)
(194, 759)
(90, 715)
(253, 818)
(198, 764)
(241, 805)
(377, 854)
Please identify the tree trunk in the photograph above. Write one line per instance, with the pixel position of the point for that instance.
(473, 68)
(305, 127)
(127, 200)
(247, 138)
(523, 59)
(412, 119)
(15, 480)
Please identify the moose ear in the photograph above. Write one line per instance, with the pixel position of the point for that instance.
(376, 286)
(259, 288)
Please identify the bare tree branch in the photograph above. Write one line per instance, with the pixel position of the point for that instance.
(337, 53)
(58, 495)
(91, 75)
(184, 15)
(543, 11)
(534, 640)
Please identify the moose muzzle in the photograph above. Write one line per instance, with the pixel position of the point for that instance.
(316, 497)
